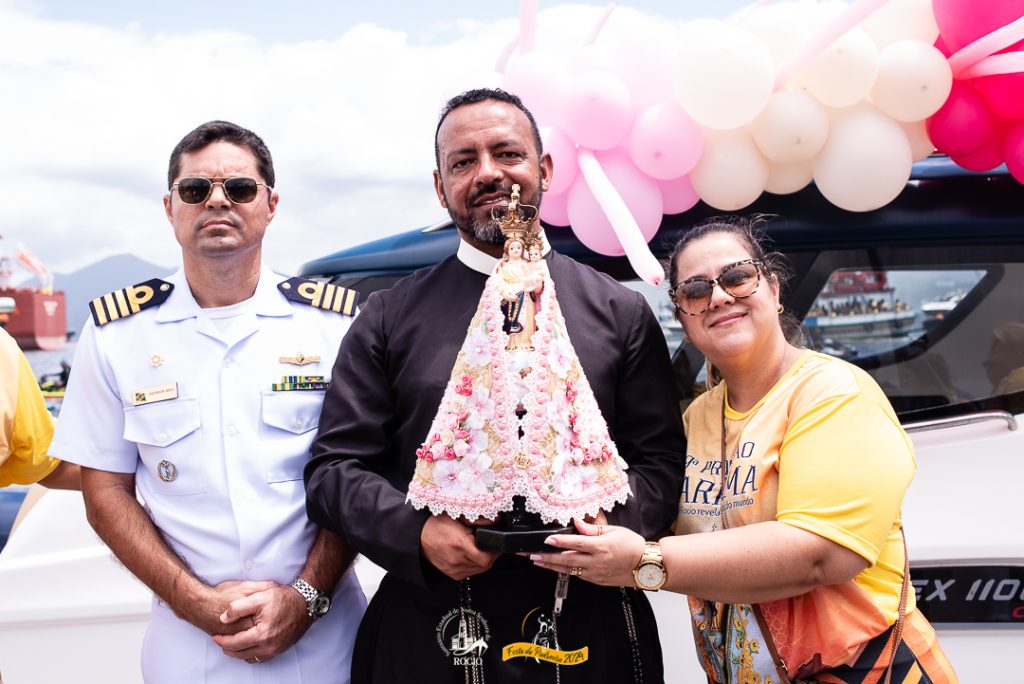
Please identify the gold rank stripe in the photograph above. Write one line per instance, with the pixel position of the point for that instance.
(129, 300)
(329, 297)
(321, 295)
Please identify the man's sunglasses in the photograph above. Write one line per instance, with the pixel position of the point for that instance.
(238, 190)
(739, 280)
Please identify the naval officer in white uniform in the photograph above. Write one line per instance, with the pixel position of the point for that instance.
(201, 394)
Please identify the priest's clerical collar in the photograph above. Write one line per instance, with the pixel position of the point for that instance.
(482, 262)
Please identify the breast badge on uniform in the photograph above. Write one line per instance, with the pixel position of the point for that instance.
(167, 470)
(128, 301)
(321, 295)
(299, 359)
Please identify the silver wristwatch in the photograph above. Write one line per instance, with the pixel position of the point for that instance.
(317, 602)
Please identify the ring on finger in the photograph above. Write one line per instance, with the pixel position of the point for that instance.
(600, 530)
(575, 571)
(257, 659)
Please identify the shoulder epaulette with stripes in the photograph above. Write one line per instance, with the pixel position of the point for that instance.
(128, 301)
(324, 296)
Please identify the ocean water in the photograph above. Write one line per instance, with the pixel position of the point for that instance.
(47, 362)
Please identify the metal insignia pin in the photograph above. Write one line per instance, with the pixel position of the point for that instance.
(168, 471)
(299, 359)
(156, 360)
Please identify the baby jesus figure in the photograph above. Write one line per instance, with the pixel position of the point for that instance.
(521, 285)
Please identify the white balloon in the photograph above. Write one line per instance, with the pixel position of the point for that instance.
(914, 80)
(784, 179)
(781, 26)
(731, 173)
(921, 146)
(791, 128)
(592, 57)
(644, 61)
(723, 74)
(901, 20)
(866, 162)
(844, 72)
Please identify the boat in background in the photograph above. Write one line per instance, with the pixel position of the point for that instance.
(857, 304)
(36, 317)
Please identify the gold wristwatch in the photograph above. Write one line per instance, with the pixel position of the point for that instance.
(649, 573)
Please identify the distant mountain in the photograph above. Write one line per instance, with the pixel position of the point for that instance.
(97, 279)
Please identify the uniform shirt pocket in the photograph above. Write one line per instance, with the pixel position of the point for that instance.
(290, 420)
(170, 444)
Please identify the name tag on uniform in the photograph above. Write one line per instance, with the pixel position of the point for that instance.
(154, 394)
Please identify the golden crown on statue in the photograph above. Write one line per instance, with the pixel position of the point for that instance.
(517, 221)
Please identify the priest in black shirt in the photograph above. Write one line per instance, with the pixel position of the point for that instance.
(388, 381)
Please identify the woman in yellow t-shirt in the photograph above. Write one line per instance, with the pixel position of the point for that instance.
(788, 538)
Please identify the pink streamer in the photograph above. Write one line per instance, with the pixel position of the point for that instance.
(974, 55)
(851, 16)
(1010, 63)
(506, 55)
(601, 21)
(623, 223)
(527, 25)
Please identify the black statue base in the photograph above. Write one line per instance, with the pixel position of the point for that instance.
(519, 530)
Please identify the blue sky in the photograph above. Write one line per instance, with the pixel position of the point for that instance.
(425, 22)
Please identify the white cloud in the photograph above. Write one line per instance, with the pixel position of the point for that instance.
(91, 114)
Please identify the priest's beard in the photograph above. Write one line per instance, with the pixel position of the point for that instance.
(486, 230)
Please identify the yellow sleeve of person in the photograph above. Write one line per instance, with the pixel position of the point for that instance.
(27, 425)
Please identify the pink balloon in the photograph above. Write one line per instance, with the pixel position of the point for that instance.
(540, 80)
(665, 142)
(962, 124)
(641, 194)
(1014, 151)
(554, 209)
(989, 155)
(1004, 94)
(964, 21)
(598, 113)
(563, 153)
(678, 195)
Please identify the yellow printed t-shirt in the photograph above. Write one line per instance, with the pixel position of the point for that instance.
(822, 451)
(27, 426)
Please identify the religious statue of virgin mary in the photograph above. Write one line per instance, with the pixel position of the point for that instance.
(518, 417)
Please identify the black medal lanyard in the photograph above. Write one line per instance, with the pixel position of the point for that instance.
(562, 590)
(474, 670)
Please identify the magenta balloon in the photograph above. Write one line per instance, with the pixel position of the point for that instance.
(962, 22)
(665, 142)
(554, 209)
(1004, 94)
(563, 153)
(641, 194)
(962, 124)
(1014, 151)
(989, 155)
(598, 113)
(678, 195)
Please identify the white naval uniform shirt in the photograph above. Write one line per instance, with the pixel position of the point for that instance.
(235, 508)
